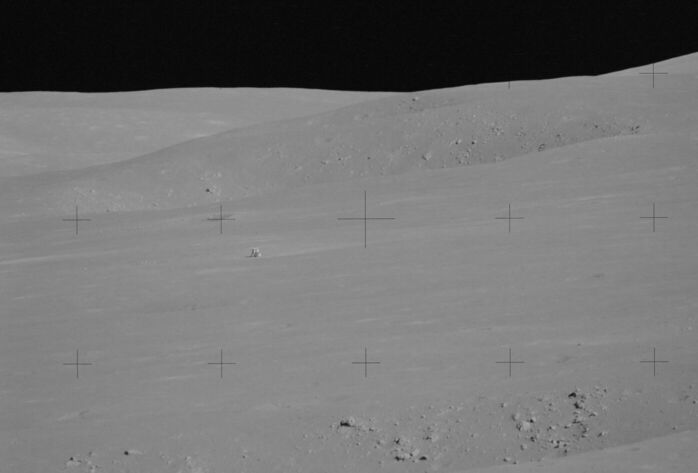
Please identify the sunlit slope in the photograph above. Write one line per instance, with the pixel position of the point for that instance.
(580, 290)
(51, 131)
(683, 65)
(387, 136)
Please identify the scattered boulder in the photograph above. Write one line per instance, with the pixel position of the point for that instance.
(524, 426)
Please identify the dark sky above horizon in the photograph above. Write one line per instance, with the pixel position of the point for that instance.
(345, 45)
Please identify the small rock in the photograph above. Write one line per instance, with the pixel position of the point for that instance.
(347, 422)
(524, 426)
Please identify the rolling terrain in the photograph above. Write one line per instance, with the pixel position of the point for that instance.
(53, 131)
(582, 291)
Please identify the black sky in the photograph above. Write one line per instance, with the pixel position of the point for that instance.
(118, 45)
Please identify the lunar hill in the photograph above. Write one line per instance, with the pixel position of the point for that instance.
(52, 131)
(583, 291)
(387, 136)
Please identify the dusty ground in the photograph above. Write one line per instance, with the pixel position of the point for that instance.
(582, 291)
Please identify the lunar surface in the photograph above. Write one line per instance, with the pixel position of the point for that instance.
(485, 278)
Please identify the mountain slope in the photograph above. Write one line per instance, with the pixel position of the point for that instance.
(581, 290)
(50, 131)
(686, 65)
(387, 136)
